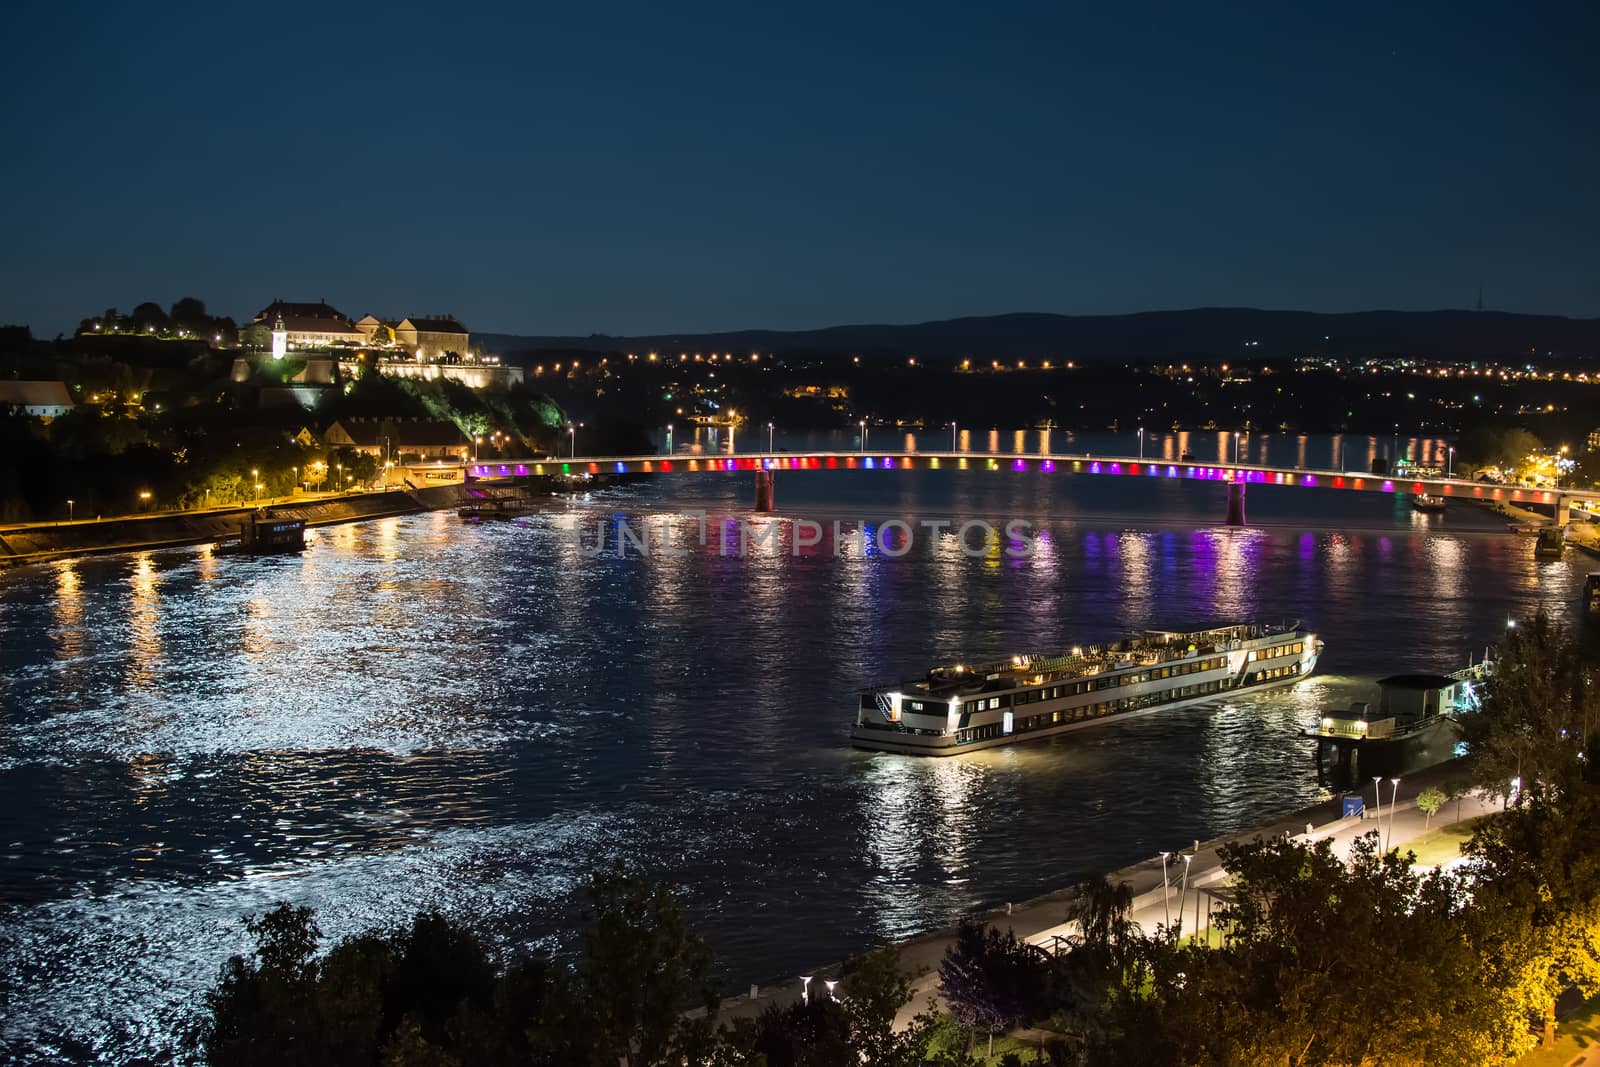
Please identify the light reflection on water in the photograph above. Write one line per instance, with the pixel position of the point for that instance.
(417, 713)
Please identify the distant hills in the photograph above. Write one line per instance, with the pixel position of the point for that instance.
(1196, 333)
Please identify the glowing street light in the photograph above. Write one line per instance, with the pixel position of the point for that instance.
(1183, 891)
(1392, 797)
(863, 435)
(669, 438)
(572, 432)
(1141, 442)
(1377, 797)
(952, 435)
(769, 437)
(1166, 896)
(805, 987)
(70, 504)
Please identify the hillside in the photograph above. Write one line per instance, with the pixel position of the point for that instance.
(1147, 335)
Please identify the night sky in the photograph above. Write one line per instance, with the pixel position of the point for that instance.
(629, 168)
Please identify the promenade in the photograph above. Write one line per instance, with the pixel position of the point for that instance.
(1042, 920)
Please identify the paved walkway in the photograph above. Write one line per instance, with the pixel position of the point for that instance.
(1041, 921)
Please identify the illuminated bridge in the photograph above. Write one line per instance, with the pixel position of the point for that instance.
(1235, 477)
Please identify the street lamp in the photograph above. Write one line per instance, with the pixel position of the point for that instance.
(70, 503)
(1183, 890)
(1377, 797)
(572, 432)
(669, 438)
(477, 445)
(1166, 896)
(805, 987)
(863, 435)
(952, 435)
(769, 437)
(1141, 442)
(1393, 796)
(1450, 469)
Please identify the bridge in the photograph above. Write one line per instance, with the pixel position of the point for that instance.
(1236, 477)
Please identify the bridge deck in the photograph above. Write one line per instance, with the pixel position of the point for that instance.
(1115, 466)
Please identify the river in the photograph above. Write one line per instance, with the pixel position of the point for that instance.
(419, 713)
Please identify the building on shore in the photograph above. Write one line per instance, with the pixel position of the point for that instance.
(43, 400)
(400, 440)
(309, 326)
(432, 338)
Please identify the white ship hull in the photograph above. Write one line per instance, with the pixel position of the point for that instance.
(957, 711)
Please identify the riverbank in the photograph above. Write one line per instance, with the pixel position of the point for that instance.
(1041, 920)
(42, 542)
(1584, 536)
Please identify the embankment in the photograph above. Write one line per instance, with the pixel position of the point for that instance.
(39, 542)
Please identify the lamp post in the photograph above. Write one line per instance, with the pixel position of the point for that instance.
(769, 437)
(1166, 897)
(863, 435)
(572, 433)
(1183, 890)
(805, 988)
(1450, 468)
(70, 503)
(1377, 797)
(1393, 796)
(1141, 443)
(255, 476)
(669, 438)
(952, 435)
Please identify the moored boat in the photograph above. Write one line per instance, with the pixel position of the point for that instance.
(961, 708)
(1427, 502)
(263, 534)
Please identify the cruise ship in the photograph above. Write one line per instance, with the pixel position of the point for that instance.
(962, 708)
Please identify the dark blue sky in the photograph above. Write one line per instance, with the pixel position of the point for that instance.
(634, 168)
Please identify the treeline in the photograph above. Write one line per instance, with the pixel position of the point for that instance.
(431, 994)
(1312, 958)
(187, 318)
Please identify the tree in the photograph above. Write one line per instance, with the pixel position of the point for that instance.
(814, 1032)
(642, 970)
(1538, 714)
(1323, 962)
(190, 313)
(1538, 893)
(989, 979)
(874, 989)
(1429, 801)
(150, 318)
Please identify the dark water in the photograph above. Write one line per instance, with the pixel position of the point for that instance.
(417, 713)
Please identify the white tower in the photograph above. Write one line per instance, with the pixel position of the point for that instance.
(280, 339)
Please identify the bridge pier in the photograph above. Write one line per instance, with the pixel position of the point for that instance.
(1236, 503)
(764, 480)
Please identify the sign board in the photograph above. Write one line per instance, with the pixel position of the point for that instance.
(1354, 807)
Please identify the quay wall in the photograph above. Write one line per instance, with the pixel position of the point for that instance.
(39, 542)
